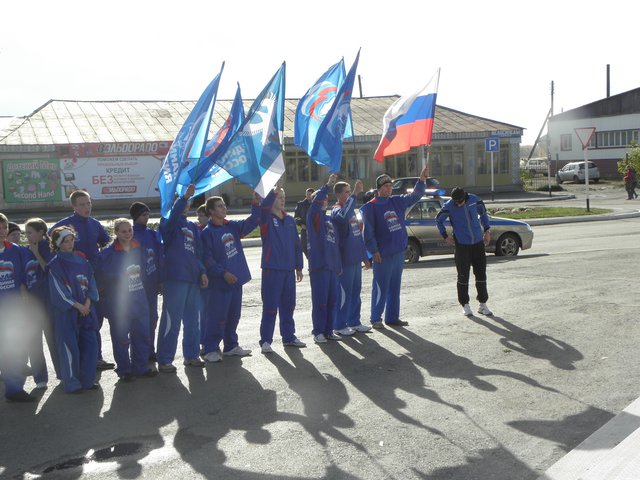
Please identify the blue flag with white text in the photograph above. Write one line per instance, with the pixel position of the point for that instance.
(323, 116)
(188, 145)
(206, 174)
(254, 154)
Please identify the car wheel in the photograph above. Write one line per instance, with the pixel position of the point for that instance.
(576, 179)
(412, 253)
(508, 245)
(596, 180)
(558, 179)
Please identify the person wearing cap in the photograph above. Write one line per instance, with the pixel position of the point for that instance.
(470, 222)
(12, 343)
(386, 240)
(90, 237)
(14, 233)
(73, 294)
(149, 240)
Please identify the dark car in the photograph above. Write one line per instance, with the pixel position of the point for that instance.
(403, 185)
(507, 236)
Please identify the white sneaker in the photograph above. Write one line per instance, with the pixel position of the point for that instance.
(484, 310)
(346, 331)
(466, 310)
(362, 328)
(320, 338)
(266, 348)
(335, 337)
(237, 351)
(213, 357)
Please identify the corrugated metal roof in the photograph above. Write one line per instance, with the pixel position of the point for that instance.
(68, 122)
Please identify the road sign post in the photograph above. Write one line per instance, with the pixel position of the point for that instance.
(491, 145)
(584, 135)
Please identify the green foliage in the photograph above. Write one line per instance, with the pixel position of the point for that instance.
(632, 159)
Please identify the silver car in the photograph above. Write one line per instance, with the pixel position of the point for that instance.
(507, 236)
(574, 172)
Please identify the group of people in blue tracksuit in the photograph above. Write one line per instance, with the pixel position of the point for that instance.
(75, 275)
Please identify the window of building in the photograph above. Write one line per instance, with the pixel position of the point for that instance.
(565, 142)
(447, 160)
(405, 165)
(614, 138)
(354, 162)
(501, 163)
(299, 167)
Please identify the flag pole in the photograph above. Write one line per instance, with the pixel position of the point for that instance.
(425, 163)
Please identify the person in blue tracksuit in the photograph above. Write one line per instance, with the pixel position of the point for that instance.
(228, 271)
(324, 265)
(470, 222)
(353, 254)
(90, 236)
(120, 276)
(39, 255)
(281, 268)
(149, 240)
(72, 294)
(12, 343)
(386, 240)
(184, 277)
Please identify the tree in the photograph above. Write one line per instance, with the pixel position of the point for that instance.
(632, 159)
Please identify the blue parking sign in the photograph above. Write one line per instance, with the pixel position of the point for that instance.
(492, 144)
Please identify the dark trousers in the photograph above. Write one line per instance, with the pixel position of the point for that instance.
(467, 256)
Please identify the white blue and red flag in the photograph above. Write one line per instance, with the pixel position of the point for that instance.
(188, 145)
(408, 122)
(254, 154)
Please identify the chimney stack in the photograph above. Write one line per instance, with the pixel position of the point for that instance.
(608, 80)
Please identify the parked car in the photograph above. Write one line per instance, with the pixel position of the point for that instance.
(508, 236)
(574, 172)
(403, 185)
(537, 165)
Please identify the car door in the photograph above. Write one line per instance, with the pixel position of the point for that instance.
(421, 225)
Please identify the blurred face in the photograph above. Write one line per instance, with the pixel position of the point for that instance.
(124, 233)
(344, 195)
(82, 206)
(67, 244)
(219, 211)
(278, 203)
(202, 218)
(308, 195)
(143, 219)
(14, 237)
(325, 203)
(33, 235)
(385, 190)
(4, 230)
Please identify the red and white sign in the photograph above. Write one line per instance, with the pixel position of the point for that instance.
(585, 134)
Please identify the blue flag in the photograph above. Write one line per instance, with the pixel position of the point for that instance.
(188, 144)
(254, 154)
(206, 174)
(323, 116)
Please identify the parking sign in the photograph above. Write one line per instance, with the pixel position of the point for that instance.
(492, 144)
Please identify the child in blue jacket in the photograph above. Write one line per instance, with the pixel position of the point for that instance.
(281, 268)
(228, 271)
(121, 271)
(324, 265)
(72, 294)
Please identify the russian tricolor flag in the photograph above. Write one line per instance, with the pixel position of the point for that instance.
(408, 123)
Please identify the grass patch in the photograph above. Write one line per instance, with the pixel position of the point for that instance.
(525, 213)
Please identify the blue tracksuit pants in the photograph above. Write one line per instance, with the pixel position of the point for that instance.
(324, 293)
(278, 295)
(349, 303)
(131, 340)
(385, 294)
(77, 352)
(12, 356)
(181, 304)
(223, 315)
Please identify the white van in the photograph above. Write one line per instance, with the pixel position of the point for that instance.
(537, 165)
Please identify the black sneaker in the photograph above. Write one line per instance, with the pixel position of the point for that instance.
(398, 323)
(103, 365)
(21, 397)
(127, 377)
(152, 372)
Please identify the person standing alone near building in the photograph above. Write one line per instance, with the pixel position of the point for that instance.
(470, 222)
(300, 216)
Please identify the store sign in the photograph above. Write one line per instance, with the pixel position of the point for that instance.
(111, 177)
(31, 180)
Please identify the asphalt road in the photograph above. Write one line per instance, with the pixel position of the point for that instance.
(448, 397)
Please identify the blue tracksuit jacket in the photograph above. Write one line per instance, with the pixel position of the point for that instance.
(469, 221)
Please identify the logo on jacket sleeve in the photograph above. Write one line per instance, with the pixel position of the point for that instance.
(331, 232)
(83, 283)
(135, 278)
(7, 275)
(189, 241)
(229, 244)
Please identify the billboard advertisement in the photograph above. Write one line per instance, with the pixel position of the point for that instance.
(34, 180)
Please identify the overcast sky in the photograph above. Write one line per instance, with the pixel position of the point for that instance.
(497, 58)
